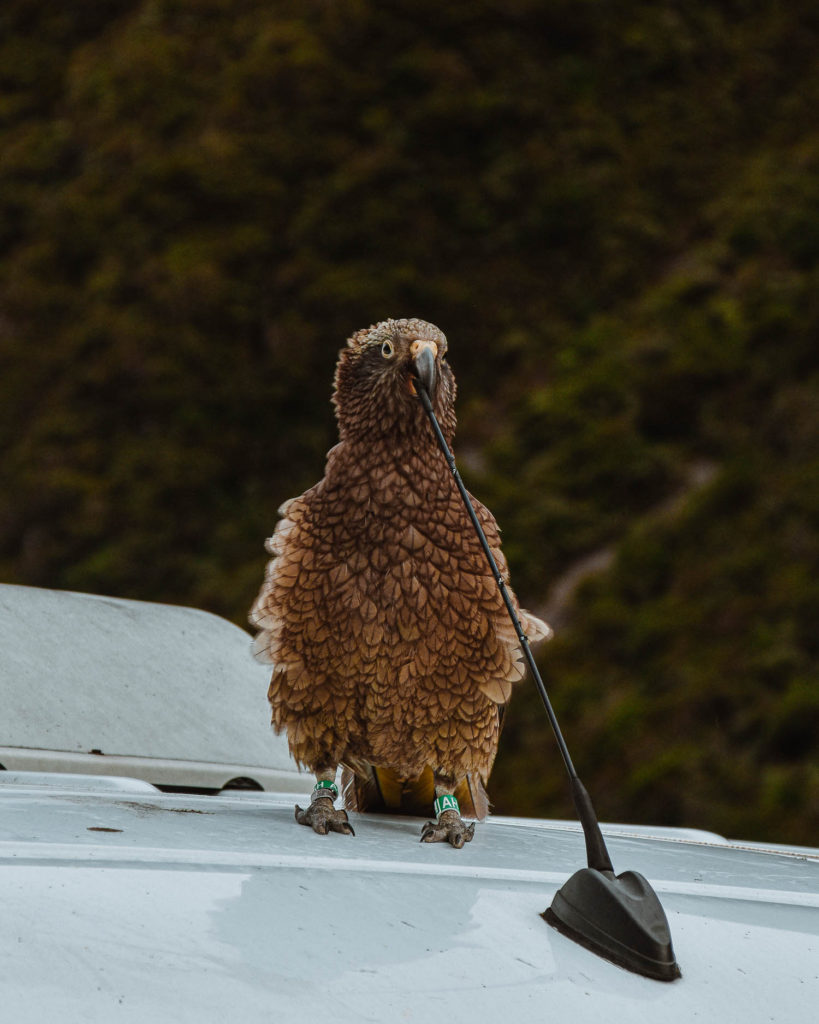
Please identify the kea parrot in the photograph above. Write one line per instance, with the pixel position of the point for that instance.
(392, 651)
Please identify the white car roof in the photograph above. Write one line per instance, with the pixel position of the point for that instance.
(169, 907)
(110, 686)
(122, 902)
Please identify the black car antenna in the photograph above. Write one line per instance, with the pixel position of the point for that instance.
(619, 917)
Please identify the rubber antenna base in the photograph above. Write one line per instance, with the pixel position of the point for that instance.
(619, 917)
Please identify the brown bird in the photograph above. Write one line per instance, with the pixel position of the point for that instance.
(392, 651)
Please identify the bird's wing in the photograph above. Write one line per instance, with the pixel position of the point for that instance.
(499, 686)
(281, 574)
(297, 612)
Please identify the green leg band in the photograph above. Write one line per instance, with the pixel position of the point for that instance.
(324, 788)
(447, 802)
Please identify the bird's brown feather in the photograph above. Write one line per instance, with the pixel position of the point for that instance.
(389, 640)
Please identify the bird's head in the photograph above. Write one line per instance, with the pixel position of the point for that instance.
(377, 378)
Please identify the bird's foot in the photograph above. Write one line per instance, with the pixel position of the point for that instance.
(322, 817)
(450, 828)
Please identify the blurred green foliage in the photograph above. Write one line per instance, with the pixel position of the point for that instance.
(613, 212)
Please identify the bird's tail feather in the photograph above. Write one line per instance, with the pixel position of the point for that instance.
(381, 790)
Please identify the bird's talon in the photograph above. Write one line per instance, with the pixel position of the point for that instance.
(449, 828)
(322, 817)
(427, 831)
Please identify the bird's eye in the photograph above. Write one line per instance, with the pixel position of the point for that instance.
(387, 350)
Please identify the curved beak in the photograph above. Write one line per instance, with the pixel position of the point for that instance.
(423, 360)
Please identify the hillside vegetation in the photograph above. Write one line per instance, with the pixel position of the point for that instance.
(612, 210)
